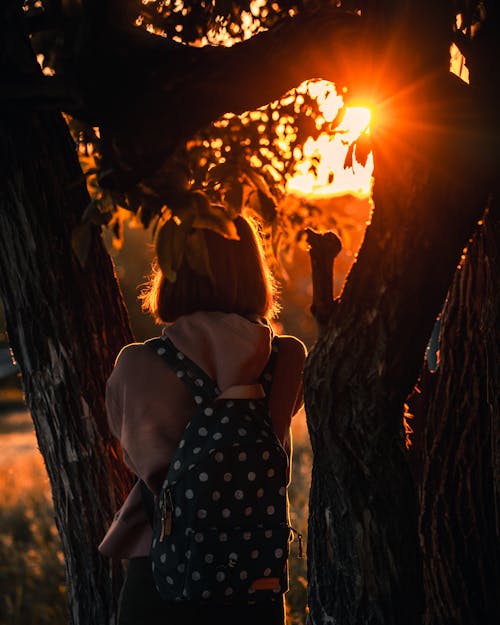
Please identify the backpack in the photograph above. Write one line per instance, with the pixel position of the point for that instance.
(220, 523)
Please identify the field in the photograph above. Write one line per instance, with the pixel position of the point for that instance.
(32, 584)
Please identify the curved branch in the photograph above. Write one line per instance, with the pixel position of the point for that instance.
(149, 94)
(325, 247)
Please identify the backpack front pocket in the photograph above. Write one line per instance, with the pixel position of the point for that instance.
(238, 564)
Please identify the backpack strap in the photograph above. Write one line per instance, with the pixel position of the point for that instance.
(201, 386)
(204, 391)
(266, 377)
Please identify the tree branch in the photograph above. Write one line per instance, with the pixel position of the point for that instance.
(37, 92)
(324, 248)
(148, 94)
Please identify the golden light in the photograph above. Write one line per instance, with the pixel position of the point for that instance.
(320, 166)
(322, 172)
(356, 121)
(457, 59)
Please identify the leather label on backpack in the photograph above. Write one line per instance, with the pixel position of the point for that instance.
(266, 583)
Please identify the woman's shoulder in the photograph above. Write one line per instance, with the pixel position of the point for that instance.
(291, 355)
(134, 362)
(291, 346)
(133, 353)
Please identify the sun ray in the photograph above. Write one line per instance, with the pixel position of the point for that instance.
(322, 172)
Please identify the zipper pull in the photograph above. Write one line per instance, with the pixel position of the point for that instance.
(301, 551)
(166, 514)
(299, 538)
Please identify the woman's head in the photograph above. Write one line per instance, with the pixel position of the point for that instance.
(242, 282)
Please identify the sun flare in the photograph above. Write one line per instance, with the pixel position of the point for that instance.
(322, 171)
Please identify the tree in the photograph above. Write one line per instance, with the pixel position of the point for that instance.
(459, 482)
(65, 324)
(434, 151)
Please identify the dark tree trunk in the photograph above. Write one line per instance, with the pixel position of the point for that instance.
(435, 152)
(459, 521)
(364, 557)
(66, 324)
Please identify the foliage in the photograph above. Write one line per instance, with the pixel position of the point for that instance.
(212, 22)
(241, 163)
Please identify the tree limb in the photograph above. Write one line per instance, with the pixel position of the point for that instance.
(149, 94)
(324, 248)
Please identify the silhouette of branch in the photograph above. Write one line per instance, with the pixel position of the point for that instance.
(149, 94)
(324, 248)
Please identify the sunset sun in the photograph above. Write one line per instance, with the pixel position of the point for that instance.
(322, 170)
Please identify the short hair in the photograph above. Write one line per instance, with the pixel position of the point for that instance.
(241, 280)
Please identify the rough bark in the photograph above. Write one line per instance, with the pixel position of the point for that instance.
(364, 558)
(459, 521)
(434, 154)
(65, 324)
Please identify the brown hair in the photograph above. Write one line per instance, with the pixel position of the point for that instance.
(242, 281)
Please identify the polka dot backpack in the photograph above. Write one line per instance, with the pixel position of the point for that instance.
(220, 528)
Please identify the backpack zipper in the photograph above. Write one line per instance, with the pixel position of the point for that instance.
(299, 538)
(166, 507)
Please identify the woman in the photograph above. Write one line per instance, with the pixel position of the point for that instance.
(222, 325)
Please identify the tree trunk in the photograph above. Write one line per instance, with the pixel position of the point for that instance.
(459, 521)
(364, 557)
(66, 324)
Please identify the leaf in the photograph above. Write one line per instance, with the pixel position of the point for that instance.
(117, 240)
(253, 201)
(363, 149)
(348, 161)
(81, 238)
(146, 189)
(99, 212)
(213, 217)
(233, 195)
(276, 239)
(170, 247)
(263, 204)
(197, 254)
(258, 181)
(221, 172)
(146, 213)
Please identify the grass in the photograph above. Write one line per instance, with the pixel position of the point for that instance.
(296, 598)
(32, 584)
